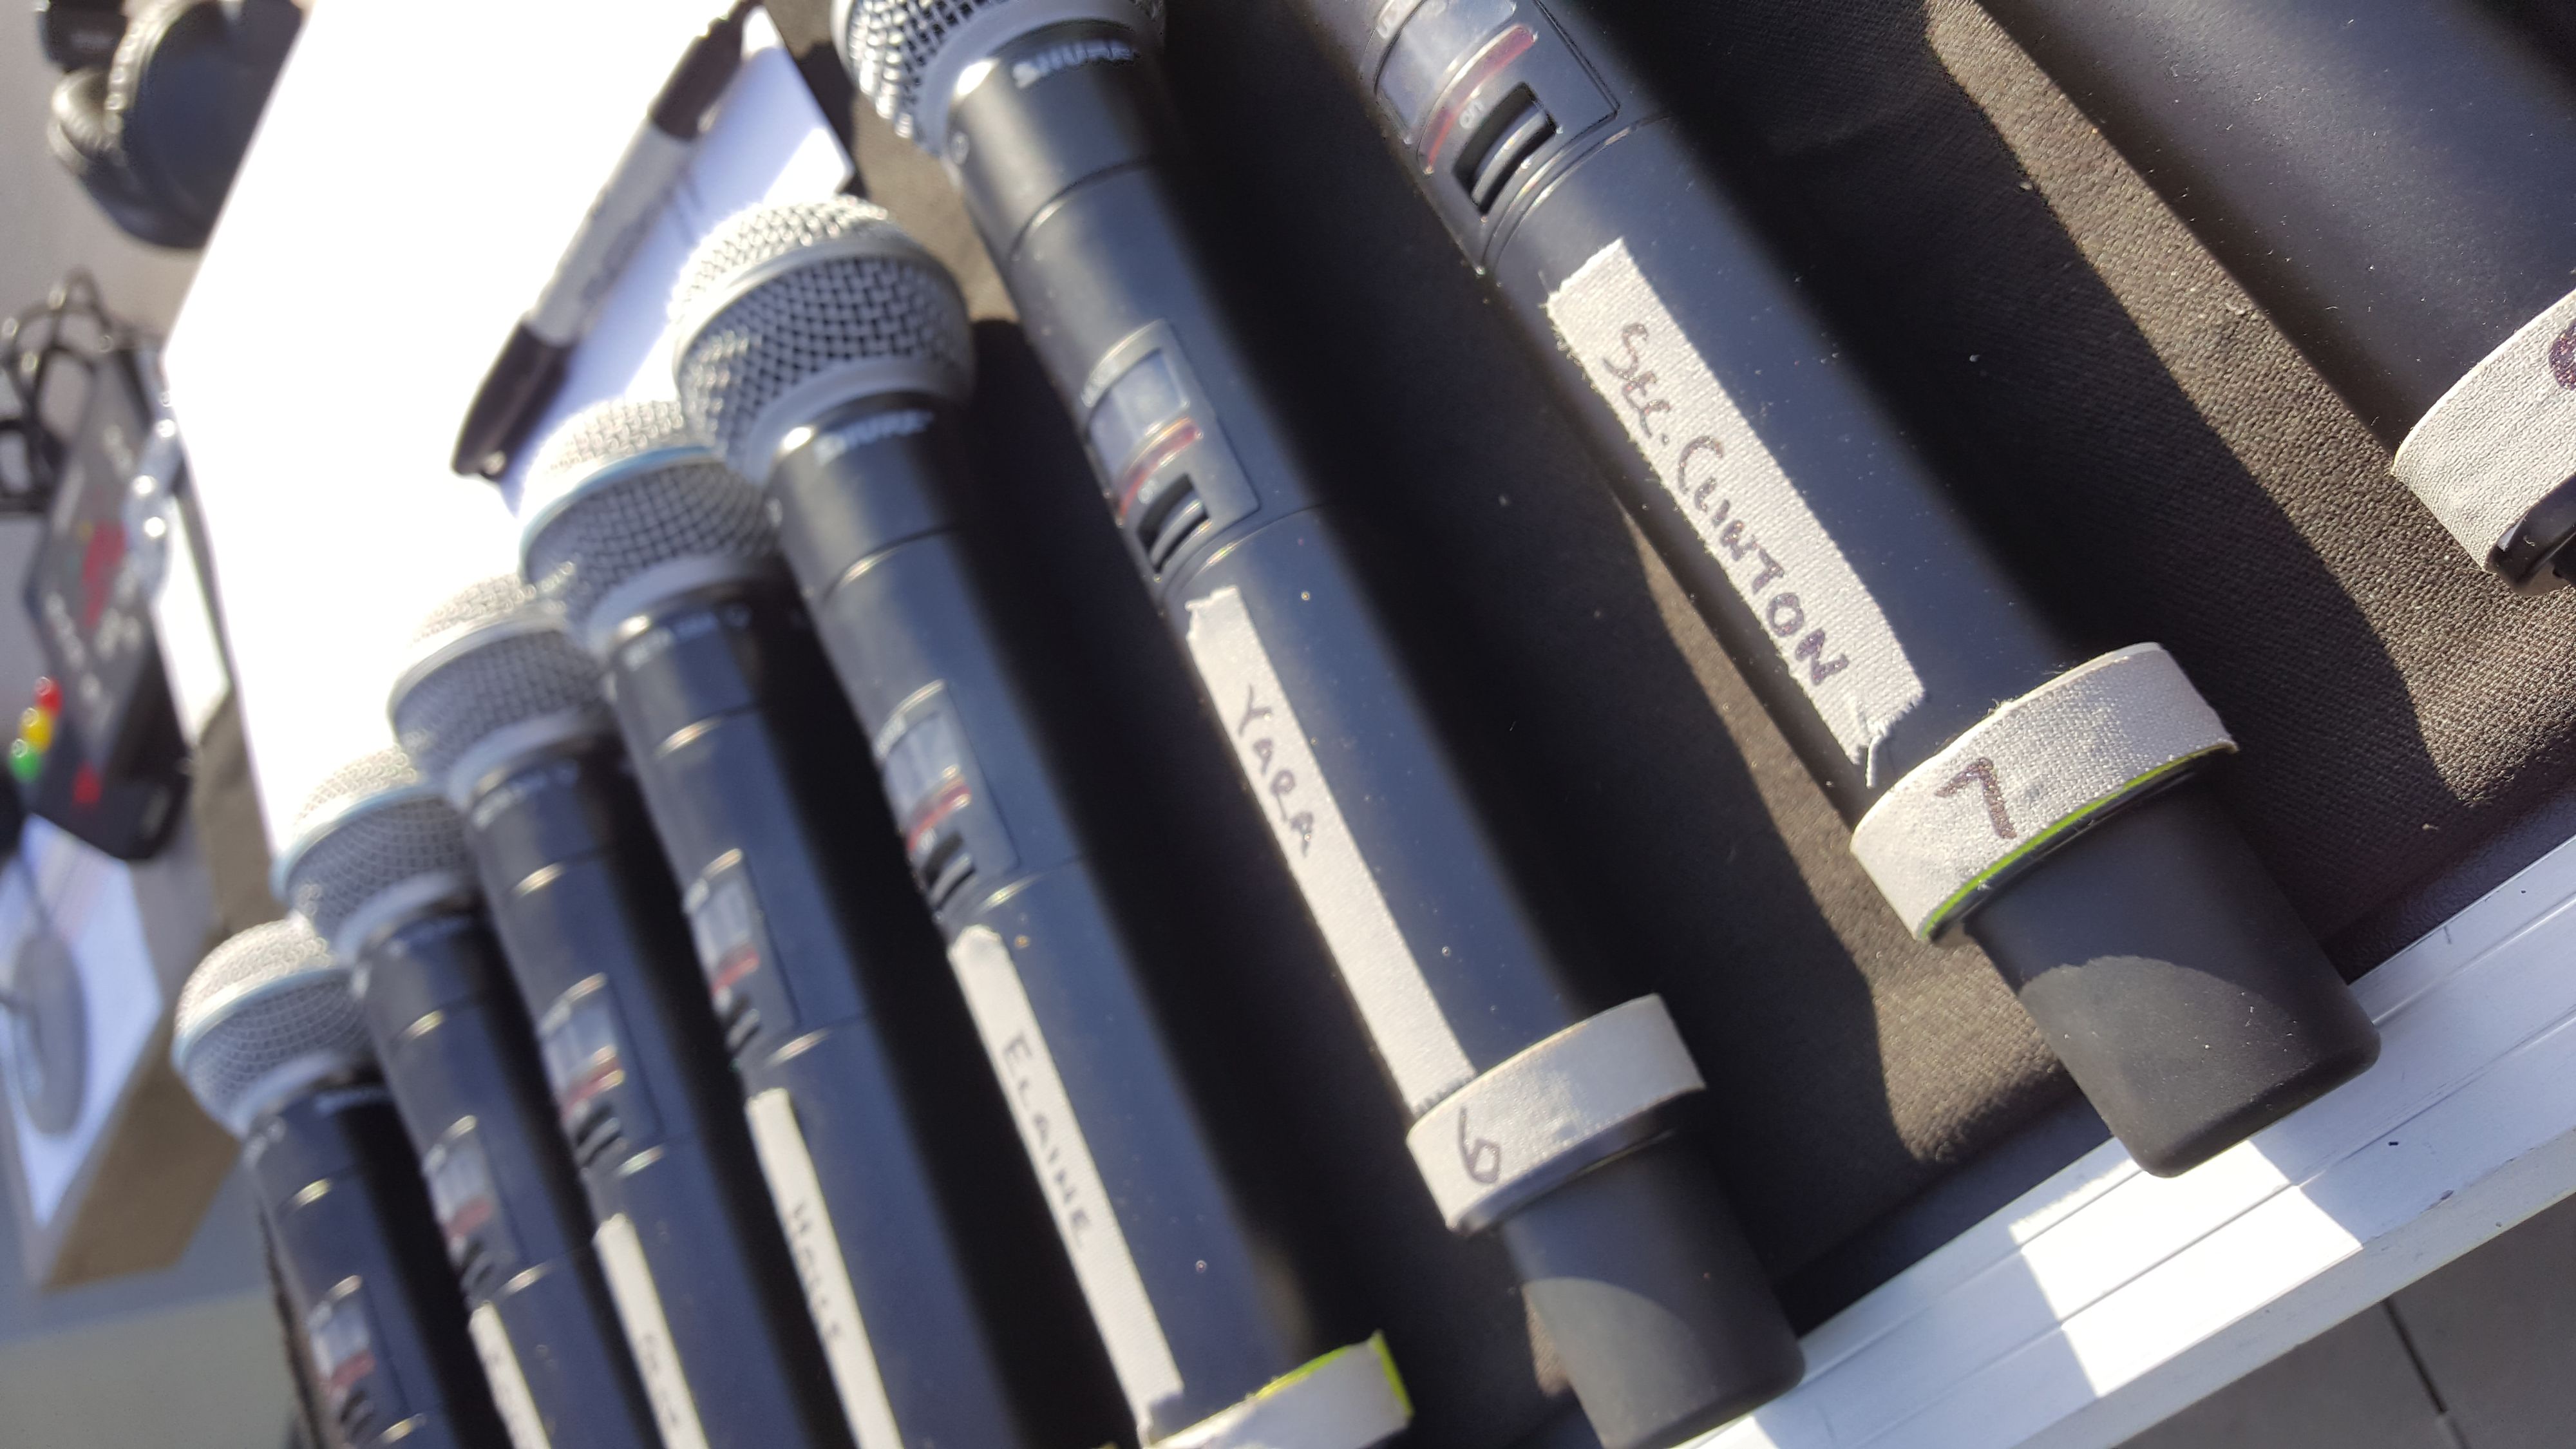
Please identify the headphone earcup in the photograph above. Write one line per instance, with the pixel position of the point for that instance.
(172, 107)
(82, 135)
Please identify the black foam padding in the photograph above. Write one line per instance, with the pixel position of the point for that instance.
(2152, 456)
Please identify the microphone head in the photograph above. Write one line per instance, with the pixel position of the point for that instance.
(493, 675)
(785, 312)
(907, 56)
(373, 842)
(267, 1015)
(636, 509)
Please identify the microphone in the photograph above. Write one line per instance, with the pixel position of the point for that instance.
(859, 443)
(2066, 830)
(665, 566)
(1050, 115)
(501, 711)
(271, 1044)
(377, 865)
(2395, 182)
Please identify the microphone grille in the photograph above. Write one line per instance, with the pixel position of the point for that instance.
(264, 1015)
(372, 826)
(632, 499)
(890, 45)
(791, 292)
(493, 657)
(479, 602)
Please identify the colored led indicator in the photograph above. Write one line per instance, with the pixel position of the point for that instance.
(36, 734)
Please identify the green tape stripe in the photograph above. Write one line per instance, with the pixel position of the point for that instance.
(1374, 1344)
(1942, 914)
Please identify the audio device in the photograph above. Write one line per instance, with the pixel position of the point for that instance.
(2395, 182)
(2064, 829)
(377, 864)
(665, 566)
(155, 132)
(1536, 1112)
(269, 1039)
(823, 351)
(501, 711)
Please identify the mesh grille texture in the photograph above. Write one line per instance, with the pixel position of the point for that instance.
(605, 433)
(361, 855)
(837, 310)
(891, 43)
(506, 678)
(479, 602)
(618, 530)
(262, 1000)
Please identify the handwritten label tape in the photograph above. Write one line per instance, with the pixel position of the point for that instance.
(2503, 436)
(501, 1370)
(798, 1195)
(1084, 1216)
(1348, 1399)
(1787, 569)
(1548, 1100)
(648, 1334)
(2029, 772)
(1404, 1021)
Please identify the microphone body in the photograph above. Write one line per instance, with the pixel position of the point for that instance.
(1061, 151)
(748, 763)
(590, 921)
(458, 1056)
(357, 1253)
(2395, 182)
(2157, 957)
(1184, 1275)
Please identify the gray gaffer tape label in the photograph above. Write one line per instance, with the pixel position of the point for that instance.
(1270, 743)
(509, 1385)
(2503, 436)
(1788, 570)
(1084, 1216)
(1348, 1399)
(648, 1334)
(811, 1240)
(2028, 772)
(1548, 1100)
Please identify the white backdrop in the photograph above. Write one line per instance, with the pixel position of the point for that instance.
(412, 185)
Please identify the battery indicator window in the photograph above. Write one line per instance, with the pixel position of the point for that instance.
(1440, 34)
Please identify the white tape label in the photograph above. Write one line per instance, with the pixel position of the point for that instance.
(2027, 773)
(1348, 1399)
(1549, 1099)
(648, 1334)
(1749, 516)
(509, 1386)
(1084, 1216)
(1271, 745)
(2502, 437)
(798, 1195)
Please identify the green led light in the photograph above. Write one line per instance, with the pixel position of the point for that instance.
(25, 761)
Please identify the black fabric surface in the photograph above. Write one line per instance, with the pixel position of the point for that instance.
(2143, 444)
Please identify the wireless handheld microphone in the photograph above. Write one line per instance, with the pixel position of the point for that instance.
(501, 711)
(377, 864)
(2062, 829)
(2395, 182)
(271, 1043)
(1050, 115)
(865, 476)
(666, 567)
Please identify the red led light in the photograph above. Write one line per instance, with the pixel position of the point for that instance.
(49, 695)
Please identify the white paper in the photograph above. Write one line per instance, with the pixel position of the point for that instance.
(411, 188)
